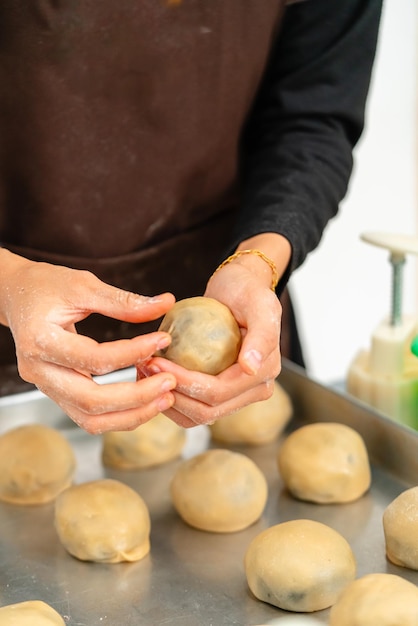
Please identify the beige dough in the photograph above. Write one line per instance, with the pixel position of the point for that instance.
(256, 424)
(325, 463)
(300, 565)
(30, 613)
(400, 525)
(158, 441)
(36, 464)
(219, 491)
(104, 521)
(377, 600)
(205, 336)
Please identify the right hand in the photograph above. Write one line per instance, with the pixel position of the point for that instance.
(41, 304)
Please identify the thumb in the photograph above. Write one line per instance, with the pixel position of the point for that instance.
(125, 305)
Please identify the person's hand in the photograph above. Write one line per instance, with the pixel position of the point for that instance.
(41, 304)
(203, 399)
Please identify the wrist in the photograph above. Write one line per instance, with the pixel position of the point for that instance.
(274, 246)
(270, 258)
(266, 255)
(253, 252)
(10, 264)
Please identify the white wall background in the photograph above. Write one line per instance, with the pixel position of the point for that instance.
(343, 290)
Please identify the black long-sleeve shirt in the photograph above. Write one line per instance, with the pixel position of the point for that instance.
(297, 153)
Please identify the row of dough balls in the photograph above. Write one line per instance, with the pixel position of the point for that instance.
(328, 463)
(318, 462)
(219, 491)
(238, 493)
(160, 440)
(323, 463)
(37, 466)
(37, 462)
(305, 566)
(216, 491)
(234, 495)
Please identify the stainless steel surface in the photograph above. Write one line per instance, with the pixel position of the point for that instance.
(193, 578)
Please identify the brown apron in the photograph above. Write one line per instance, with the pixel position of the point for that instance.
(120, 125)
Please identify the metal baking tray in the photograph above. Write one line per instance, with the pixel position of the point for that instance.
(190, 577)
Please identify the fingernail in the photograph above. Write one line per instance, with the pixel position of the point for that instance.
(253, 359)
(163, 343)
(165, 402)
(167, 385)
(153, 369)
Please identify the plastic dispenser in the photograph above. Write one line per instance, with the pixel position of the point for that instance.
(386, 376)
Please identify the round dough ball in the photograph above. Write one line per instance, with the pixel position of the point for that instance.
(219, 491)
(324, 463)
(256, 424)
(30, 613)
(300, 565)
(36, 464)
(205, 335)
(376, 600)
(104, 521)
(158, 441)
(400, 526)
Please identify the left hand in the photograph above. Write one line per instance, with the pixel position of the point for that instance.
(203, 399)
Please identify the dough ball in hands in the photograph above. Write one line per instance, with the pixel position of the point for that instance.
(325, 463)
(400, 526)
(30, 613)
(376, 600)
(219, 491)
(104, 521)
(205, 336)
(300, 565)
(36, 464)
(157, 441)
(256, 424)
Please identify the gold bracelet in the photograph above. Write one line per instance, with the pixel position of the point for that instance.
(270, 263)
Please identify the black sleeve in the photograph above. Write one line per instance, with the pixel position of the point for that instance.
(297, 146)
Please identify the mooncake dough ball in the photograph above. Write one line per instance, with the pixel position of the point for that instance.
(325, 463)
(300, 565)
(30, 613)
(104, 521)
(376, 600)
(158, 441)
(205, 335)
(400, 526)
(256, 424)
(36, 464)
(219, 491)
